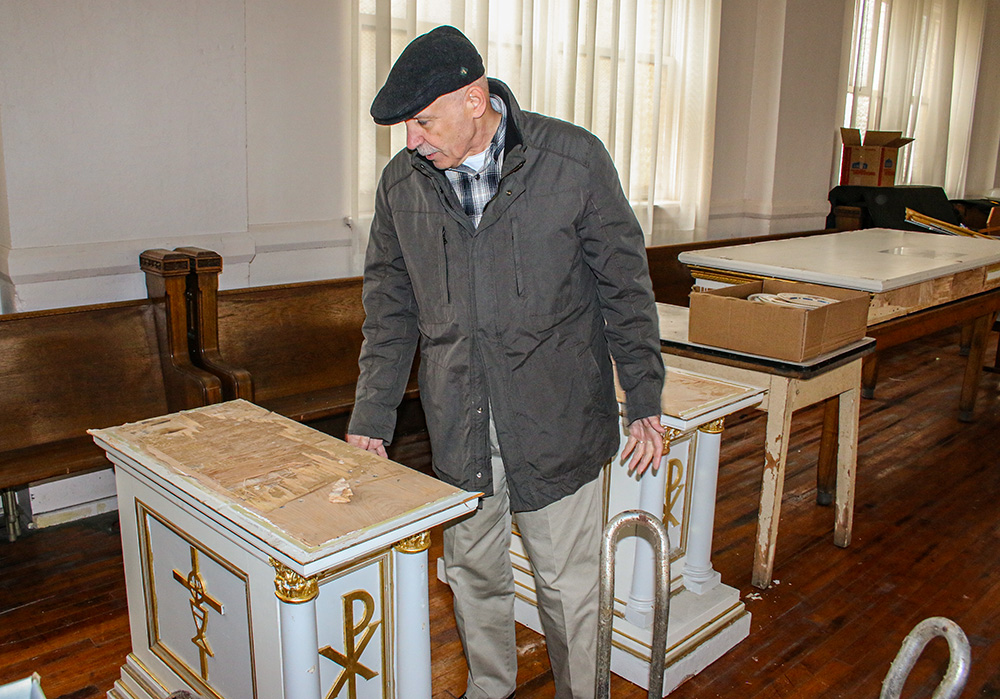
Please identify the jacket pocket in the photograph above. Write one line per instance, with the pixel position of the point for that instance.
(547, 258)
(426, 244)
(446, 269)
(515, 249)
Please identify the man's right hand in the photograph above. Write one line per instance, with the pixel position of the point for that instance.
(367, 443)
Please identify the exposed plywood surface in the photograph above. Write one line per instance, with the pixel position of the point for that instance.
(686, 396)
(928, 294)
(278, 469)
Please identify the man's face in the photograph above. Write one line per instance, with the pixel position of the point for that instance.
(444, 131)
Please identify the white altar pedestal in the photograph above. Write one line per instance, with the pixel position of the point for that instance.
(707, 618)
(246, 580)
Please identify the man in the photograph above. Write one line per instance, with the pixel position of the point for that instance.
(503, 245)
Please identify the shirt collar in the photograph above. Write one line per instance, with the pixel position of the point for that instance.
(479, 161)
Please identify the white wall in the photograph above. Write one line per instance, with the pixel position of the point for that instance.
(135, 124)
(299, 139)
(131, 124)
(777, 115)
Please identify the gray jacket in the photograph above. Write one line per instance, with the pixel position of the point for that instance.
(516, 316)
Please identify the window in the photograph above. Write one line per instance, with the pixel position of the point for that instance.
(637, 73)
(914, 68)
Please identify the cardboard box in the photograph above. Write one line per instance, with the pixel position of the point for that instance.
(871, 162)
(725, 318)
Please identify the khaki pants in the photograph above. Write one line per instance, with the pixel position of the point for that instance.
(563, 543)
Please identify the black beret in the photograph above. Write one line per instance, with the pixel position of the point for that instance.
(434, 64)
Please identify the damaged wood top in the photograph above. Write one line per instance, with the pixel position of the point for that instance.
(688, 396)
(281, 471)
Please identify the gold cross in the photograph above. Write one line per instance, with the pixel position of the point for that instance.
(195, 584)
(351, 660)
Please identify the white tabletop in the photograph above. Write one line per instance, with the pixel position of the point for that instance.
(872, 259)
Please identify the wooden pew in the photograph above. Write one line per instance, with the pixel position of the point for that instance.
(66, 370)
(290, 348)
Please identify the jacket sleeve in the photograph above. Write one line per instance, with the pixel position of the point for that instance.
(390, 329)
(615, 250)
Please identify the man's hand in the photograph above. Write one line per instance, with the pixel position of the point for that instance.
(368, 444)
(645, 444)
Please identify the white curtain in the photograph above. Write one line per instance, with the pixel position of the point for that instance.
(915, 68)
(640, 74)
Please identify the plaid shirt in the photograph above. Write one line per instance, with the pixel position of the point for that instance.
(476, 187)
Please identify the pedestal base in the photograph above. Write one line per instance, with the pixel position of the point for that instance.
(137, 683)
(700, 630)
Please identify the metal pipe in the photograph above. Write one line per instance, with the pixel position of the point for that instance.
(658, 646)
(954, 679)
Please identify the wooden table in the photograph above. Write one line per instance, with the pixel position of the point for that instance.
(247, 578)
(920, 283)
(790, 386)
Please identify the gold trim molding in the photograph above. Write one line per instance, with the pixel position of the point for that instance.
(291, 587)
(669, 436)
(725, 276)
(714, 427)
(415, 544)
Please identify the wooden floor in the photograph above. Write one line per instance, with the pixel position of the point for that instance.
(926, 543)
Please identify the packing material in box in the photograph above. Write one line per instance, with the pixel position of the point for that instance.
(873, 161)
(726, 318)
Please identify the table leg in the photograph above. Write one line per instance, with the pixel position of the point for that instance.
(965, 340)
(847, 462)
(973, 367)
(869, 375)
(779, 422)
(996, 359)
(10, 514)
(826, 467)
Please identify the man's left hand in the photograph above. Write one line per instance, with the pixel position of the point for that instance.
(645, 444)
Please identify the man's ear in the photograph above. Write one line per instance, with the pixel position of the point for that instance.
(476, 100)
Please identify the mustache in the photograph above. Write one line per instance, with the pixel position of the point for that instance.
(425, 150)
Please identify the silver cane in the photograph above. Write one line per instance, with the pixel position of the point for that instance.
(658, 650)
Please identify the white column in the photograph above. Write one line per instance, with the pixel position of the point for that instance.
(299, 639)
(412, 653)
(652, 494)
(699, 577)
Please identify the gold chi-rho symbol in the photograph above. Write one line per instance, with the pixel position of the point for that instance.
(350, 660)
(675, 487)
